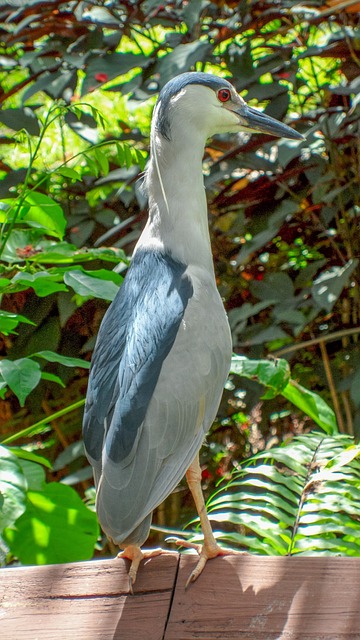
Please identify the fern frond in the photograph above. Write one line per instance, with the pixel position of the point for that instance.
(300, 498)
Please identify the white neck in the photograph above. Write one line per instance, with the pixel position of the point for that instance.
(178, 221)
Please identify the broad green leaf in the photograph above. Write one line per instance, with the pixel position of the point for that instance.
(37, 210)
(67, 361)
(272, 373)
(65, 253)
(86, 285)
(18, 119)
(34, 474)
(22, 376)
(56, 527)
(24, 454)
(45, 213)
(181, 59)
(69, 172)
(13, 488)
(312, 405)
(112, 65)
(43, 283)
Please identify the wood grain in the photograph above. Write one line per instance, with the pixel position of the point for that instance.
(237, 597)
(262, 598)
(86, 601)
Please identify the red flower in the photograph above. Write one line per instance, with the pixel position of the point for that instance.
(101, 77)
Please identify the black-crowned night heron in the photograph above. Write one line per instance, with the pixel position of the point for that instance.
(163, 351)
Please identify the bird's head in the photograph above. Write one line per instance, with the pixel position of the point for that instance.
(210, 105)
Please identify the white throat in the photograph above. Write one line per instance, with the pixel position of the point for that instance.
(178, 217)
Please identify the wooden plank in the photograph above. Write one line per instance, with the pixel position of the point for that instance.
(262, 598)
(87, 600)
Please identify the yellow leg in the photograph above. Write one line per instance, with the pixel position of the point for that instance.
(134, 553)
(209, 549)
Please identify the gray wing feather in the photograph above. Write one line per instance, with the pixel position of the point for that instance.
(180, 409)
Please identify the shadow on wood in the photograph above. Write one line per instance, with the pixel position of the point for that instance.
(243, 597)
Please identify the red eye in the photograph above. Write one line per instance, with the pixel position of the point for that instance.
(224, 95)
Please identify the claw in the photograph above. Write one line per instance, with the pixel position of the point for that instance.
(207, 551)
(135, 554)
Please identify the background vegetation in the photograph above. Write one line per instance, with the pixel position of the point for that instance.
(78, 83)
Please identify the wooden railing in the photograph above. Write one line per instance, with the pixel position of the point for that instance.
(244, 597)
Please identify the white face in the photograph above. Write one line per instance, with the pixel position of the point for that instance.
(208, 111)
(199, 111)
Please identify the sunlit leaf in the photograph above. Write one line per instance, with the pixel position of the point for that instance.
(86, 285)
(56, 527)
(13, 488)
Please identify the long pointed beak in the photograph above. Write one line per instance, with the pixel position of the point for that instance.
(259, 122)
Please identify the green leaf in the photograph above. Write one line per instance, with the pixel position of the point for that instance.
(13, 488)
(51, 377)
(69, 172)
(18, 119)
(102, 160)
(43, 283)
(312, 405)
(56, 527)
(63, 253)
(24, 454)
(34, 474)
(181, 59)
(329, 284)
(72, 452)
(45, 213)
(9, 321)
(22, 376)
(112, 65)
(272, 373)
(67, 361)
(86, 285)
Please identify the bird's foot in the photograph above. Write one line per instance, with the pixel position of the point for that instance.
(136, 555)
(206, 551)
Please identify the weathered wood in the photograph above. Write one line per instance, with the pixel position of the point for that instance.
(237, 597)
(86, 601)
(262, 598)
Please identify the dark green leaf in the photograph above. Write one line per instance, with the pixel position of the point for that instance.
(313, 405)
(17, 119)
(9, 321)
(22, 376)
(67, 361)
(329, 284)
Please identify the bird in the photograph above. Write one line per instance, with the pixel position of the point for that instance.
(163, 350)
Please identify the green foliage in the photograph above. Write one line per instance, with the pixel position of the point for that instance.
(55, 527)
(275, 376)
(299, 498)
(41, 523)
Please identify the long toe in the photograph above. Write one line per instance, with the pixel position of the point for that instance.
(207, 553)
(136, 555)
(180, 542)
